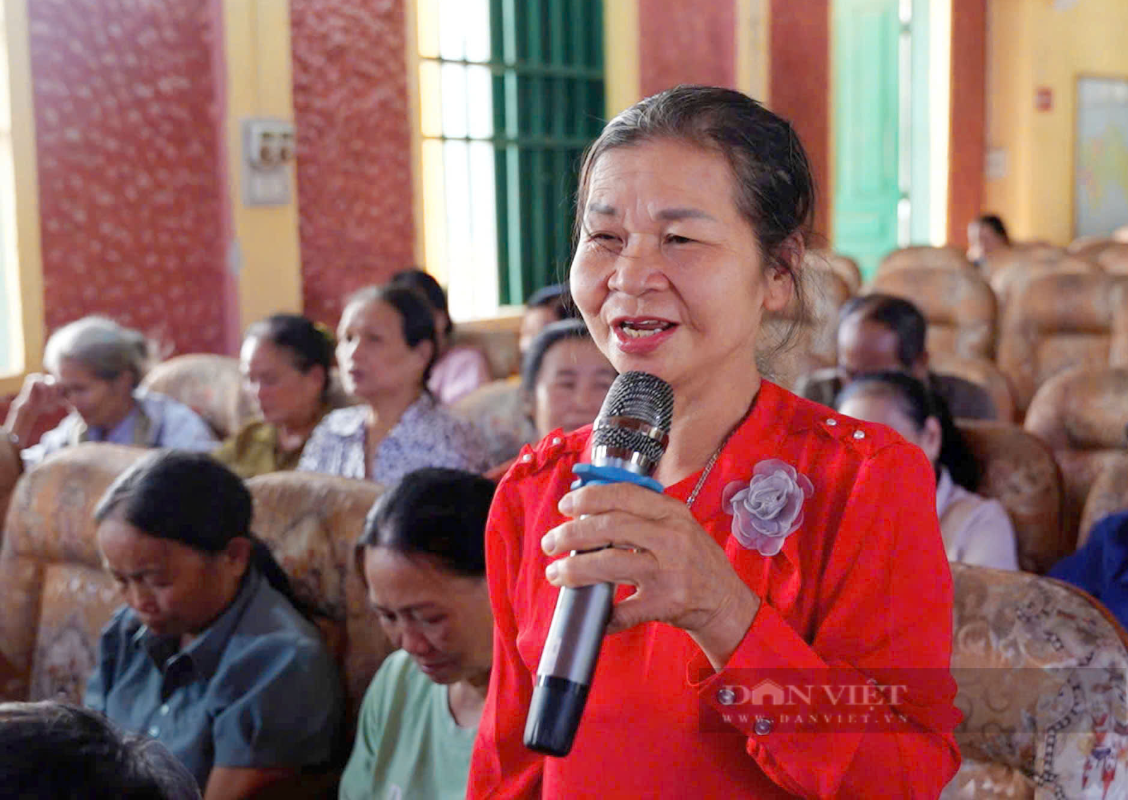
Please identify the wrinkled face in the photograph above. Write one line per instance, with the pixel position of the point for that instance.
(667, 272)
(285, 395)
(100, 402)
(174, 589)
(373, 356)
(867, 346)
(573, 381)
(442, 620)
(533, 321)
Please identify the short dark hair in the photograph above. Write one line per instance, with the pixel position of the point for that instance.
(309, 344)
(775, 191)
(995, 223)
(917, 402)
(426, 285)
(898, 315)
(192, 499)
(415, 313)
(436, 513)
(58, 751)
(557, 297)
(550, 335)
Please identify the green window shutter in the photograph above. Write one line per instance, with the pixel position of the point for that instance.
(548, 105)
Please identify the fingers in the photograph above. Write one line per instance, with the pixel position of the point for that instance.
(609, 565)
(601, 498)
(590, 533)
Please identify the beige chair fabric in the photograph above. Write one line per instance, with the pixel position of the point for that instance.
(843, 266)
(11, 467)
(211, 385)
(1059, 321)
(497, 411)
(1041, 671)
(792, 343)
(1082, 414)
(983, 373)
(498, 338)
(924, 257)
(958, 304)
(1018, 470)
(1114, 258)
(1008, 281)
(1107, 495)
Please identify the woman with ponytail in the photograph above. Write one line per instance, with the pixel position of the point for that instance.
(976, 530)
(210, 655)
(286, 361)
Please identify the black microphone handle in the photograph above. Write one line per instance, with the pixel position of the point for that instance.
(566, 667)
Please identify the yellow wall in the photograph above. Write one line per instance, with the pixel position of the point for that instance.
(257, 48)
(1031, 45)
(25, 250)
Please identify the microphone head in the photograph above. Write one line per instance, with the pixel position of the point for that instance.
(633, 426)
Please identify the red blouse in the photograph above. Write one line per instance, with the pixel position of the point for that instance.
(860, 593)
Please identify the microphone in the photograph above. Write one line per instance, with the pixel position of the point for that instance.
(628, 439)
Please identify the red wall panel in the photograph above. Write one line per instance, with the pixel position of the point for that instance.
(683, 42)
(127, 158)
(354, 147)
(967, 143)
(800, 85)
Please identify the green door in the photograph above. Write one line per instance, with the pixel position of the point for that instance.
(867, 186)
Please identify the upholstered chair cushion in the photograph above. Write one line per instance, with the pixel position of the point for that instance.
(799, 340)
(983, 373)
(498, 338)
(1082, 414)
(11, 467)
(210, 385)
(497, 411)
(1114, 258)
(843, 266)
(311, 522)
(1107, 495)
(958, 304)
(57, 598)
(1019, 471)
(1059, 321)
(924, 257)
(1041, 671)
(1008, 281)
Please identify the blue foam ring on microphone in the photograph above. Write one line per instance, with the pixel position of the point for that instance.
(592, 474)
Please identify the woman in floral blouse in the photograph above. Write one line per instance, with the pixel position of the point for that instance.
(386, 348)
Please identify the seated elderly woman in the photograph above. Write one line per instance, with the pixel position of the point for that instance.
(459, 368)
(386, 348)
(286, 361)
(564, 379)
(423, 559)
(210, 655)
(976, 530)
(95, 368)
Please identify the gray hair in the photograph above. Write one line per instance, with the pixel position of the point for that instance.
(102, 346)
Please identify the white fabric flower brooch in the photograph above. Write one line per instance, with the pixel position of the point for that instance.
(769, 508)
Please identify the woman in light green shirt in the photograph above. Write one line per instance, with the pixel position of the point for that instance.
(422, 555)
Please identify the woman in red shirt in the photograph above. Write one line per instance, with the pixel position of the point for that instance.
(783, 624)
